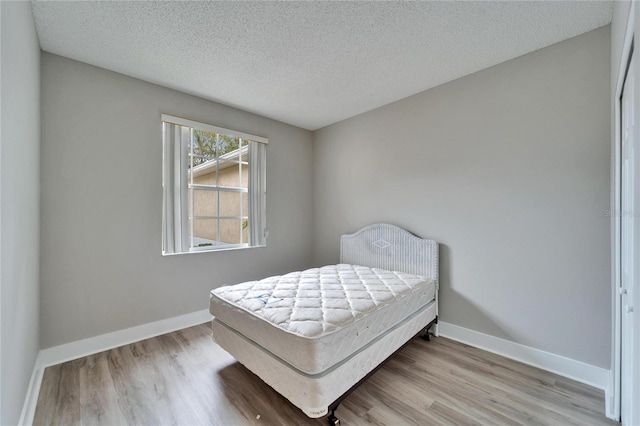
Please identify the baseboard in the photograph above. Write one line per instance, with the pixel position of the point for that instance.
(563, 366)
(31, 399)
(81, 348)
(93, 345)
(608, 406)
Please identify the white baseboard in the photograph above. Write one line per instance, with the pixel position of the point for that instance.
(609, 403)
(31, 399)
(563, 366)
(93, 345)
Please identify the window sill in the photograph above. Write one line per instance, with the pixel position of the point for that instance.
(213, 250)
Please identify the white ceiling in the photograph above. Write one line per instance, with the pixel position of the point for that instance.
(309, 64)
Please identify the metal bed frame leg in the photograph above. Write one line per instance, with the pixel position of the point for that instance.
(426, 335)
(333, 420)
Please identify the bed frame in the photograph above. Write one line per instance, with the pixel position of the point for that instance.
(389, 247)
(381, 246)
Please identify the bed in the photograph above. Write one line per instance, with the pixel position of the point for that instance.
(315, 335)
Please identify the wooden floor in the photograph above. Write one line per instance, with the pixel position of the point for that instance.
(183, 378)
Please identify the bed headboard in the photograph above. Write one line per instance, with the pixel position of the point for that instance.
(392, 248)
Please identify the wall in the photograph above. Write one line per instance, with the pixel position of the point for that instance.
(509, 169)
(102, 268)
(20, 193)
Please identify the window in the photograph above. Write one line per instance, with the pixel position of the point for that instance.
(213, 184)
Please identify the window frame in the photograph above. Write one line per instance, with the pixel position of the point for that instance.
(177, 183)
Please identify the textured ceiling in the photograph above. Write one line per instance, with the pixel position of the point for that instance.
(309, 64)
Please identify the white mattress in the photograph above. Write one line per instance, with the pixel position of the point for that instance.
(314, 393)
(316, 318)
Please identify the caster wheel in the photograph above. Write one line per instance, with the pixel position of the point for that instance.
(333, 421)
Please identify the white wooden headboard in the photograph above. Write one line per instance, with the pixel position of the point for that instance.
(392, 248)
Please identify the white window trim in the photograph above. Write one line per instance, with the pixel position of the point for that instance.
(170, 233)
(191, 123)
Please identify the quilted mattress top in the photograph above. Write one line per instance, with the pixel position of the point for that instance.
(319, 301)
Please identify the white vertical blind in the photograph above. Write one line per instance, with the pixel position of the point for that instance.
(240, 184)
(172, 188)
(218, 193)
(257, 194)
(190, 192)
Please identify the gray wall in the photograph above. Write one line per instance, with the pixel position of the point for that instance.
(19, 201)
(509, 169)
(101, 267)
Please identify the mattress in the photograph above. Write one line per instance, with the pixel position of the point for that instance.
(314, 393)
(314, 319)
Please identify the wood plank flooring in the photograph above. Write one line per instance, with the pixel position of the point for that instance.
(183, 378)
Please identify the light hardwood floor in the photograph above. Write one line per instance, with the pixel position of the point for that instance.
(183, 378)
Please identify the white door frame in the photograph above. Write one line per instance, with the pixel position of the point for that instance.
(613, 401)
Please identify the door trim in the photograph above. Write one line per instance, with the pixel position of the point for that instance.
(613, 399)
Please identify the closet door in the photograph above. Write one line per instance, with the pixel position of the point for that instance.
(630, 251)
